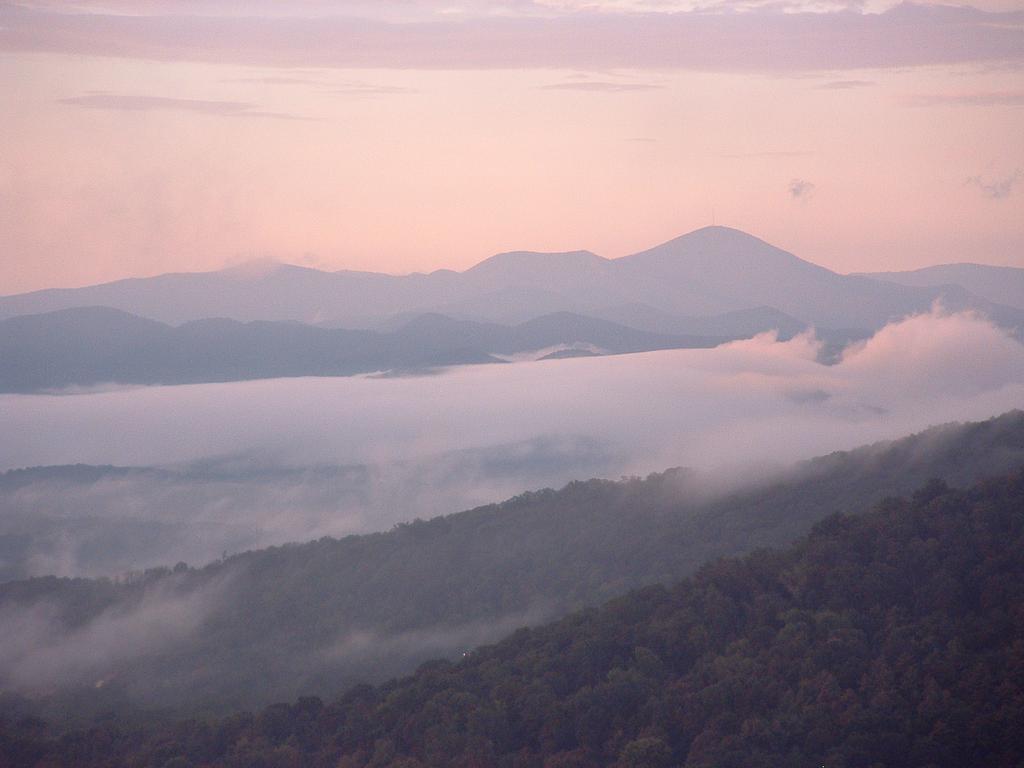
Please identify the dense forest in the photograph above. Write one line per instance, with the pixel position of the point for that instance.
(317, 618)
(894, 638)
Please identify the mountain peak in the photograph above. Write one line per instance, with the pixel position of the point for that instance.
(720, 237)
(716, 248)
(530, 261)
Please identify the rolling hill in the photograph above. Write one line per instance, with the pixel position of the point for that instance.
(889, 638)
(317, 617)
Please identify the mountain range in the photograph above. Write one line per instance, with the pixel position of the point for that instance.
(1000, 285)
(272, 320)
(707, 272)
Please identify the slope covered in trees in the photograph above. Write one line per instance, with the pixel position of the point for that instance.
(316, 618)
(894, 638)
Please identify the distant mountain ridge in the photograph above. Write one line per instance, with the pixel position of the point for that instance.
(89, 346)
(711, 271)
(1001, 285)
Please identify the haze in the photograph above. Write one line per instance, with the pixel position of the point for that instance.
(249, 464)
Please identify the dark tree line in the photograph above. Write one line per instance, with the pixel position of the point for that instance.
(894, 638)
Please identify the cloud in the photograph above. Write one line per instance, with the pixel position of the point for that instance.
(998, 188)
(277, 80)
(800, 189)
(973, 99)
(844, 85)
(916, 352)
(421, 419)
(607, 37)
(601, 87)
(384, 10)
(423, 446)
(97, 521)
(767, 154)
(424, 10)
(360, 88)
(136, 103)
(746, 404)
(327, 85)
(41, 645)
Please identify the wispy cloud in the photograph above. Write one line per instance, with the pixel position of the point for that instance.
(40, 648)
(1013, 98)
(997, 188)
(360, 88)
(766, 154)
(386, 10)
(327, 85)
(277, 80)
(137, 103)
(592, 38)
(801, 189)
(845, 85)
(600, 87)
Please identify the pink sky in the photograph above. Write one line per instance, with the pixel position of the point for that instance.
(146, 136)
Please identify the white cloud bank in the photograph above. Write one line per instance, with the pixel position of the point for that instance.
(436, 444)
(925, 369)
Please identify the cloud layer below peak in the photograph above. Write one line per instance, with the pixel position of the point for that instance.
(302, 458)
(523, 35)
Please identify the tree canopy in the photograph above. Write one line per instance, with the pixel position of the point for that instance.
(893, 638)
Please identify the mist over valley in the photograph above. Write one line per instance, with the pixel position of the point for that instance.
(187, 473)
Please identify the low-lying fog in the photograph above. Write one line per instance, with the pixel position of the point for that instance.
(243, 465)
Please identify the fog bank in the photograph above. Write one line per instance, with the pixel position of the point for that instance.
(300, 458)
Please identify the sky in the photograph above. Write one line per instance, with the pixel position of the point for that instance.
(149, 136)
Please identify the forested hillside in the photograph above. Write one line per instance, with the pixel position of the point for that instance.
(894, 638)
(319, 617)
